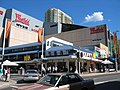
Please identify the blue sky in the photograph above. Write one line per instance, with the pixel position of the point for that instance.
(83, 12)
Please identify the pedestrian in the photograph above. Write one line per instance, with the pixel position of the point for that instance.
(81, 70)
(56, 69)
(49, 69)
(6, 76)
(71, 69)
(43, 70)
(53, 69)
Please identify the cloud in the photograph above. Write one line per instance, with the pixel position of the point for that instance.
(96, 16)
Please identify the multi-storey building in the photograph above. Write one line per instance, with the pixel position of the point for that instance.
(81, 36)
(23, 30)
(56, 15)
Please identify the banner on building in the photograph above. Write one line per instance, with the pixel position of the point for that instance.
(115, 38)
(8, 27)
(40, 35)
(118, 49)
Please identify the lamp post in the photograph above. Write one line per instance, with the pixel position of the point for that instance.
(42, 55)
(6, 33)
(3, 47)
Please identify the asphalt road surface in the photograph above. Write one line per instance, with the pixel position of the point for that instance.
(102, 82)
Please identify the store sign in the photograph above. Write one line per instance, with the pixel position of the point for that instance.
(97, 49)
(95, 30)
(1, 12)
(27, 58)
(19, 18)
(34, 30)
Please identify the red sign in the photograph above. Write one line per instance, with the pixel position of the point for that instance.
(115, 38)
(34, 30)
(1, 12)
(94, 30)
(19, 18)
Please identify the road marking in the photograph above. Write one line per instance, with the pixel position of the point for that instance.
(105, 81)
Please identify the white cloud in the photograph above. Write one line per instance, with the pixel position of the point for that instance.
(96, 16)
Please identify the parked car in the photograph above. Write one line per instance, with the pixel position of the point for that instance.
(31, 75)
(59, 81)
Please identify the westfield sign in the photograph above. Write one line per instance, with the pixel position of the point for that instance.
(94, 30)
(19, 18)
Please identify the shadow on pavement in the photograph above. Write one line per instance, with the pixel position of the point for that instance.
(22, 81)
(114, 85)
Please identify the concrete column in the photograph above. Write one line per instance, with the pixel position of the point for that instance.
(76, 71)
(67, 65)
(55, 64)
(79, 67)
(88, 64)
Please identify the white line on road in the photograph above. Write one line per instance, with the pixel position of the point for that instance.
(105, 81)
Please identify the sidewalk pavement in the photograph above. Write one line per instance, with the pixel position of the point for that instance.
(98, 73)
(4, 84)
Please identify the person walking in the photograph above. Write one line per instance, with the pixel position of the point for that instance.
(43, 70)
(6, 76)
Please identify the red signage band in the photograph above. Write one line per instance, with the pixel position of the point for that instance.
(1, 12)
(34, 30)
(94, 30)
(19, 18)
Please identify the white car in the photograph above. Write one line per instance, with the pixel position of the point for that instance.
(59, 81)
(31, 75)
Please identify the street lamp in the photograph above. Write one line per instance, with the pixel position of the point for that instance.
(7, 28)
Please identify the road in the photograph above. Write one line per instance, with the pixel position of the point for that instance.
(102, 82)
(106, 81)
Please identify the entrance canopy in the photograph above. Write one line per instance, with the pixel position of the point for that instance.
(9, 63)
(107, 62)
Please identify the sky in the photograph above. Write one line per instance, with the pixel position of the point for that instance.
(83, 12)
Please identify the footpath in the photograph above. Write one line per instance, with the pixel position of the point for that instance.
(4, 84)
(98, 73)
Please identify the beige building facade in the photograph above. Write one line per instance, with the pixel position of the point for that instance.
(85, 37)
(20, 36)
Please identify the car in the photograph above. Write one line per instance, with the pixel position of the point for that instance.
(31, 75)
(59, 81)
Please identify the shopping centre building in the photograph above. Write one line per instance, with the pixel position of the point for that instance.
(23, 48)
(24, 28)
(81, 35)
